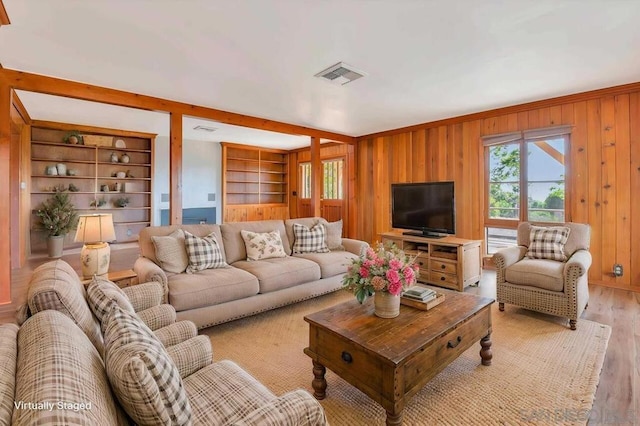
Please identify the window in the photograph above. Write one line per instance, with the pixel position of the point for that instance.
(526, 181)
(332, 179)
(305, 180)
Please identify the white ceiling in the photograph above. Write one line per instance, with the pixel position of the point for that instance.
(424, 59)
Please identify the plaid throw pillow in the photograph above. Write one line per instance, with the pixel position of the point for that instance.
(548, 243)
(263, 245)
(141, 373)
(309, 240)
(204, 253)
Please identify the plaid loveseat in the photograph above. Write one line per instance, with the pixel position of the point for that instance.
(64, 366)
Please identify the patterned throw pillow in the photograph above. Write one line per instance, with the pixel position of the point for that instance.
(141, 373)
(101, 293)
(171, 251)
(548, 243)
(334, 235)
(263, 245)
(204, 253)
(309, 240)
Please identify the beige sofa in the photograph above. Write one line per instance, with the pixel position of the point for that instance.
(53, 371)
(214, 296)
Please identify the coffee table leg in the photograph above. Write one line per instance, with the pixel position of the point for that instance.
(485, 352)
(319, 383)
(394, 419)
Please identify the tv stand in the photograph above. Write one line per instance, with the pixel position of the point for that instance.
(423, 234)
(443, 261)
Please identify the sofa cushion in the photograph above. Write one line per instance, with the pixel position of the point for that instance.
(171, 251)
(334, 235)
(309, 240)
(279, 273)
(223, 393)
(8, 359)
(101, 293)
(331, 264)
(204, 253)
(548, 242)
(266, 245)
(143, 376)
(55, 285)
(201, 230)
(58, 363)
(234, 246)
(541, 273)
(210, 287)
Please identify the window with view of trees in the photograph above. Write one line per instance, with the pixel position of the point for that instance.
(526, 181)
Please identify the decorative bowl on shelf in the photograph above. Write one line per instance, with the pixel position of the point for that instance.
(121, 175)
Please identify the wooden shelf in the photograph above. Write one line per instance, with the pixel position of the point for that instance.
(254, 176)
(94, 169)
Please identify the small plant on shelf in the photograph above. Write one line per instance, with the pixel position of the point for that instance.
(121, 202)
(98, 202)
(73, 138)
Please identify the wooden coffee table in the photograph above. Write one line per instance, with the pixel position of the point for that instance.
(390, 360)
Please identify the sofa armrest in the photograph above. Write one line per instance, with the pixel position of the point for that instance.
(355, 246)
(177, 332)
(158, 316)
(291, 409)
(149, 271)
(578, 264)
(191, 355)
(144, 296)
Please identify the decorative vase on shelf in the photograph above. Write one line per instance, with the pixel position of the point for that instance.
(386, 305)
(61, 169)
(114, 157)
(124, 158)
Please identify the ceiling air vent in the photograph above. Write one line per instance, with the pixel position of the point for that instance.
(205, 129)
(340, 73)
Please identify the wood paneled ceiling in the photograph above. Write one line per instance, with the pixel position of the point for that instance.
(423, 60)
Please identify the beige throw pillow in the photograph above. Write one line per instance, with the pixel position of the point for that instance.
(263, 245)
(334, 235)
(171, 252)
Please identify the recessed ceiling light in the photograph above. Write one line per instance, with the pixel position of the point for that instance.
(340, 73)
(205, 129)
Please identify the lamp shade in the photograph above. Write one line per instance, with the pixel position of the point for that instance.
(95, 228)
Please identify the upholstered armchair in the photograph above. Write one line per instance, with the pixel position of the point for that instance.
(546, 283)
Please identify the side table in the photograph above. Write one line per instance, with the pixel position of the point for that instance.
(124, 278)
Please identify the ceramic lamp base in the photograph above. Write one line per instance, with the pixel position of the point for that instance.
(95, 259)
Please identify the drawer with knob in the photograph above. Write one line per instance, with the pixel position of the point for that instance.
(445, 267)
(444, 280)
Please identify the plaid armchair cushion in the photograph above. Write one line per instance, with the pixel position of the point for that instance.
(204, 253)
(309, 240)
(142, 375)
(548, 242)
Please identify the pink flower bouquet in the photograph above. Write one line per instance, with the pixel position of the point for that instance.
(381, 268)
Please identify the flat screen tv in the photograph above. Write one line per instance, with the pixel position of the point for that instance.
(426, 207)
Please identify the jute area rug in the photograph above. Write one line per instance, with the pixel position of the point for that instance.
(541, 372)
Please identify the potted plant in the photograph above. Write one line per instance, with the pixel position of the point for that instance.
(57, 217)
(383, 272)
(73, 137)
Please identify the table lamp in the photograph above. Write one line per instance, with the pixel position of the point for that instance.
(95, 230)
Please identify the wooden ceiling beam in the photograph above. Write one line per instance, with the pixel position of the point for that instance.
(21, 80)
(4, 17)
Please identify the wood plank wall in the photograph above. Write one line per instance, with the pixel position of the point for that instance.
(603, 172)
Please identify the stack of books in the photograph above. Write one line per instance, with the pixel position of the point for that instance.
(421, 294)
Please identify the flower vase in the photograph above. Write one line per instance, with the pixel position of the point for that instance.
(386, 304)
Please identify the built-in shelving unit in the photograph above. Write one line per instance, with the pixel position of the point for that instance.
(93, 176)
(255, 177)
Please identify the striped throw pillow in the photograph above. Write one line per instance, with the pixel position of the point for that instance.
(204, 253)
(309, 240)
(548, 242)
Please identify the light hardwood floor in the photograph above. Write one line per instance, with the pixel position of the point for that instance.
(618, 396)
